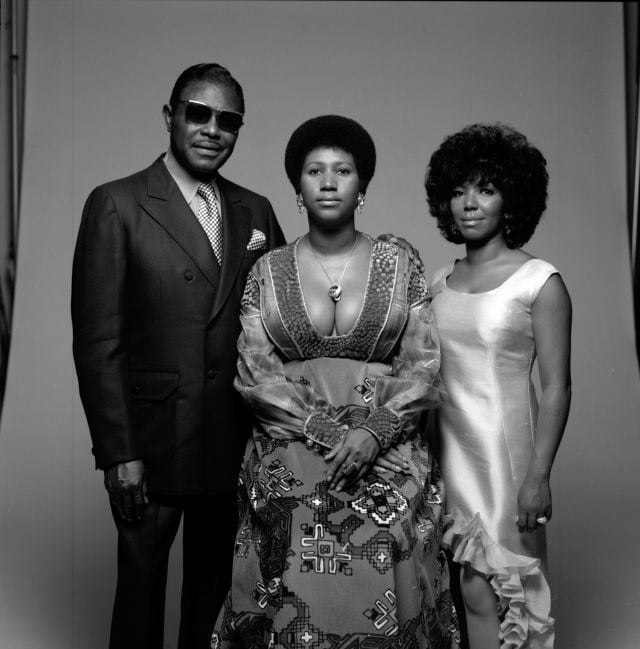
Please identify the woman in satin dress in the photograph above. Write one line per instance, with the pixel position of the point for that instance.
(497, 310)
(340, 503)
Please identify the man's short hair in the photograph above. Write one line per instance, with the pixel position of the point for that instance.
(209, 73)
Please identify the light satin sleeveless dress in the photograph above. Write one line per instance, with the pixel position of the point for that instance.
(487, 429)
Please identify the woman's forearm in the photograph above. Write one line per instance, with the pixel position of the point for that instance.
(552, 419)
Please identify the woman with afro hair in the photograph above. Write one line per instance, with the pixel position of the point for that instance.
(498, 309)
(341, 516)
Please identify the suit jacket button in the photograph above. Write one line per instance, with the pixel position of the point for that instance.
(188, 275)
(211, 374)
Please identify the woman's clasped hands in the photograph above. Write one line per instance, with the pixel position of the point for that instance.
(351, 459)
(357, 454)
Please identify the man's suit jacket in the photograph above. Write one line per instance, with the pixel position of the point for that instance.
(156, 323)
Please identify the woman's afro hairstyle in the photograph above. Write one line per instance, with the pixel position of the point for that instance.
(493, 153)
(333, 131)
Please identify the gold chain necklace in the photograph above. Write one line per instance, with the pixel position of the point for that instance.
(335, 290)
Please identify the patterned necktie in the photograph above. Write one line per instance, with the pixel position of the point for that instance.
(209, 217)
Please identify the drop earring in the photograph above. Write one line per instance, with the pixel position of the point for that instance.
(360, 202)
(300, 203)
(507, 226)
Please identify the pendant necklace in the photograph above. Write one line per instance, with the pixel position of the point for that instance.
(335, 290)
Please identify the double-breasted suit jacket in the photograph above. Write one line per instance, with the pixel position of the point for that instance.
(156, 322)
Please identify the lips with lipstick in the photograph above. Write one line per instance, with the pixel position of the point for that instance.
(471, 221)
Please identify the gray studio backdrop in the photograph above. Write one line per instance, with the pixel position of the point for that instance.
(98, 74)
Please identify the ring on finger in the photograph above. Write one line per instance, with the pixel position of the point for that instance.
(349, 468)
(541, 520)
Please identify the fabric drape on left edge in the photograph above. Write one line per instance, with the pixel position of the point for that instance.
(13, 21)
(632, 69)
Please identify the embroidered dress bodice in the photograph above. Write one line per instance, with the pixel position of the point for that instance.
(376, 329)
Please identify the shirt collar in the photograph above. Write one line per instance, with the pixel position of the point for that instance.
(187, 184)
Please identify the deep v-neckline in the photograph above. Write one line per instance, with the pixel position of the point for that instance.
(303, 301)
(287, 308)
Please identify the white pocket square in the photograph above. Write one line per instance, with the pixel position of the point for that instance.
(257, 240)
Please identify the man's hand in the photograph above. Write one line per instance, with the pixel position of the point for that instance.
(414, 255)
(127, 489)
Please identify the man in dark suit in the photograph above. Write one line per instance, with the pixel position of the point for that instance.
(159, 271)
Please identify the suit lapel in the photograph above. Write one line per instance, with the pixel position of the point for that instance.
(166, 205)
(236, 222)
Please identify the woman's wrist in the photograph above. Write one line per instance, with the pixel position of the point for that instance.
(372, 433)
(539, 470)
(384, 424)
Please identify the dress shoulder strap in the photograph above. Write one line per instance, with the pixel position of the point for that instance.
(531, 277)
(438, 278)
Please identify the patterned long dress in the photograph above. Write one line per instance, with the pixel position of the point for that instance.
(315, 568)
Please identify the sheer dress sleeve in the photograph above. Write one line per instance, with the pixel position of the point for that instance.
(291, 409)
(286, 409)
(414, 384)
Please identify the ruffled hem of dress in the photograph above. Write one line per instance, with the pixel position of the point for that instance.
(522, 590)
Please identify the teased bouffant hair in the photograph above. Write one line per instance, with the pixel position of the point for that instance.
(207, 72)
(332, 131)
(493, 153)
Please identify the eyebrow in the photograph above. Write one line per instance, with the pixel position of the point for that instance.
(322, 162)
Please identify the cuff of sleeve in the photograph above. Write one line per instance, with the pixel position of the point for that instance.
(320, 429)
(384, 425)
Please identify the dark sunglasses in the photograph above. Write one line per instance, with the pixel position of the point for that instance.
(195, 112)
